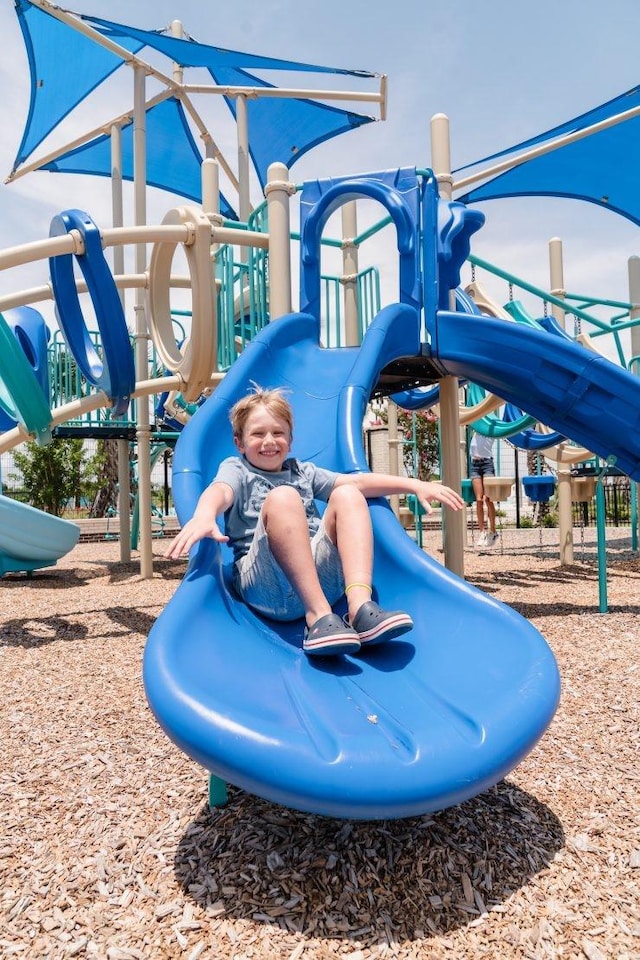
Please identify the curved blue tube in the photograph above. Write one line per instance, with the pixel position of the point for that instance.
(115, 372)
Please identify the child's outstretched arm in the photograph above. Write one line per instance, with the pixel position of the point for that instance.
(217, 498)
(385, 484)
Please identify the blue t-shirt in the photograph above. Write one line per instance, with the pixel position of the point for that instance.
(250, 487)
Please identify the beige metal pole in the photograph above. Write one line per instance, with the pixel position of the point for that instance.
(177, 30)
(117, 216)
(210, 188)
(242, 123)
(349, 213)
(453, 523)
(634, 314)
(565, 516)
(556, 274)
(143, 429)
(278, 190)
(634, 300)
(394, 458)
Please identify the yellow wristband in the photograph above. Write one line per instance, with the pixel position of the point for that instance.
(365, 586)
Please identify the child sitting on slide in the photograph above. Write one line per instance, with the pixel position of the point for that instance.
(288, 561)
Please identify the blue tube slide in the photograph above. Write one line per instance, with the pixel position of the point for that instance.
(413, 726)
(575, 391)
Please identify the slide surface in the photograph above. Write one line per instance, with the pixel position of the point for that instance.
(412, 726)
(30, 538)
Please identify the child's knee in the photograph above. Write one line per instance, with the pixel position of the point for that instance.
(347, 494)
(282, 501)
(283, 498)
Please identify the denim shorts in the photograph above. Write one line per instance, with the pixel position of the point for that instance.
(262, 584)
(482, 467)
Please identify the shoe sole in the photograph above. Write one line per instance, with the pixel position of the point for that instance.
(331, 646)
(389, 629)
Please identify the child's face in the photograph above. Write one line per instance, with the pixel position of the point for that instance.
(265, 441)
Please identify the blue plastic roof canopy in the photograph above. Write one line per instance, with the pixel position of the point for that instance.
(285, 129)
(54, 91)
(173, 161)
(600, 168)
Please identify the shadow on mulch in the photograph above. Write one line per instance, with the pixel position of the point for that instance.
(162, 569)
(547, 603)
(44, 579)
(133, 619)
(372, 881)
(490, 581)
(39, 631)
(31, 632)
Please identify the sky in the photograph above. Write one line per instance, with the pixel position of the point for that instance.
(501, 71)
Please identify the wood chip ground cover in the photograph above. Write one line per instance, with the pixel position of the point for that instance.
(108, 848)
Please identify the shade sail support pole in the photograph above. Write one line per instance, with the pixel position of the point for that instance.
(117, 219)
(454, 530)
(143, 424)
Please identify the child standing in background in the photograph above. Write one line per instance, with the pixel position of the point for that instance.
(482, 466)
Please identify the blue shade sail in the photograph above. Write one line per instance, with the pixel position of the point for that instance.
(284, 129)
(601, 168)
(279, 129)
(54, 90)
(620, 104)
(173, 158)
(189, 53)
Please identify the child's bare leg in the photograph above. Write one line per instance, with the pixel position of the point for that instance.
(478, 489)
(288, 533)
(348, 523)
(491, 514)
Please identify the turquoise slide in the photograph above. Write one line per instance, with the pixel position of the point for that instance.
(31, 539)
(409, 727)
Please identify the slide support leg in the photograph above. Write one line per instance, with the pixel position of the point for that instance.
(217, 792)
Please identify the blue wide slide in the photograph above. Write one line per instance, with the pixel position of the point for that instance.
(413, 726)
(31, 539)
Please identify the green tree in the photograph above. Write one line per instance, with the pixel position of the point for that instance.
(421, 447)
(422, 427)
(52, 474)
(105, 465)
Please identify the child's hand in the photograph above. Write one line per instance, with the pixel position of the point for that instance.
(192, 532)
(428, 491)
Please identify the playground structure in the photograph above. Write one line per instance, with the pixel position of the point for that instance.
(423, 723)
(331, 386)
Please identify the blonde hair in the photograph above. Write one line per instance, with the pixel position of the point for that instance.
(273, 399)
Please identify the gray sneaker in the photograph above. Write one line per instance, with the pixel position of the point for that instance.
(330, 636)
(491, 539)
(375, 625)
(482, 540)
